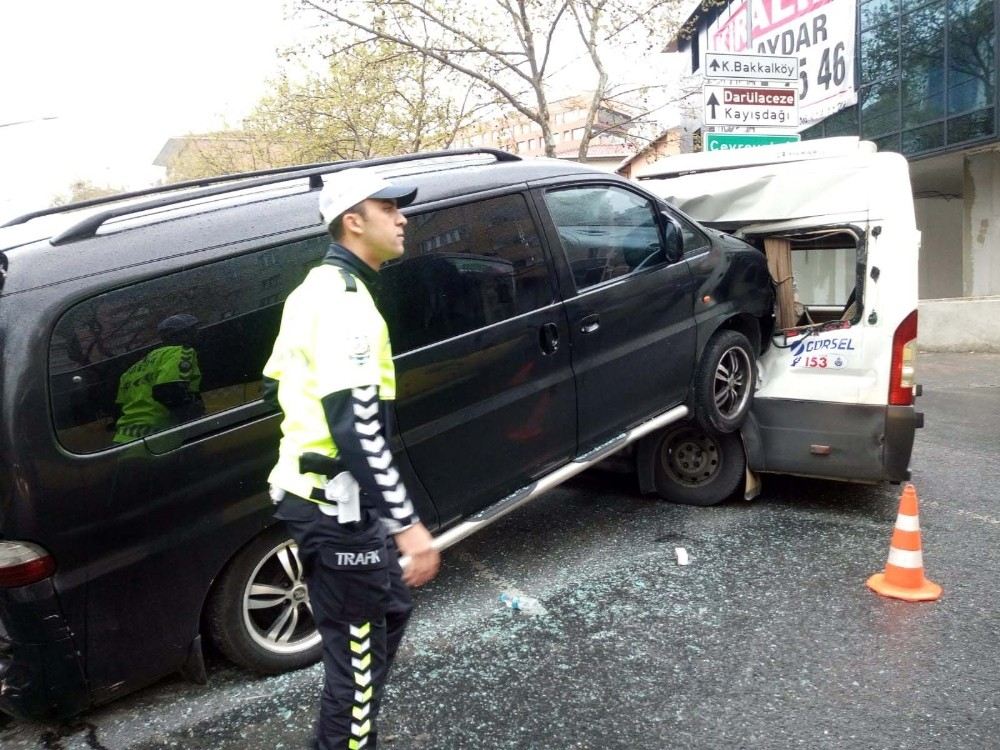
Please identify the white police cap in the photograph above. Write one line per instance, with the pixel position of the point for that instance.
(348, 187)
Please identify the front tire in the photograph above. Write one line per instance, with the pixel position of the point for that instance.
(725, 382)
(258, 614)
(694, 467)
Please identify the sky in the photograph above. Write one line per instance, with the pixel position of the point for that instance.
(92, 90)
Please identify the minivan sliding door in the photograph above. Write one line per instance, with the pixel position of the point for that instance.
(485, 400)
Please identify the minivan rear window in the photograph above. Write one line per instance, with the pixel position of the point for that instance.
(143, 358)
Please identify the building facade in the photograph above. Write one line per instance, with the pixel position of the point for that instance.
(925, 84)
(516, 133)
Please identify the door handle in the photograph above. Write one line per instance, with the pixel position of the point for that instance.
(548, 338)
(590, 323)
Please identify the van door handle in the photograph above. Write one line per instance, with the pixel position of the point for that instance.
(548, 338)
(590, 324)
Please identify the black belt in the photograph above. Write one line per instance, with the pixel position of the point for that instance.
(317, 463)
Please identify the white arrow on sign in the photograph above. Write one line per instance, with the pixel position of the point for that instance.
(752, 106)
(751, 67)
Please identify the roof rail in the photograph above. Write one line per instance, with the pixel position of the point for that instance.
(200, 182)
(88, 227)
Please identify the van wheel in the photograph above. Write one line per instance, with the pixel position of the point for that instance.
(258, 614)
(724, 383)
(693, 467)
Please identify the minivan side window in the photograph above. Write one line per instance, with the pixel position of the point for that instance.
(137, 360)
(465, 267)
(606, 232)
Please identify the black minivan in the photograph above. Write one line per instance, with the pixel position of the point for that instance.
(544, 316)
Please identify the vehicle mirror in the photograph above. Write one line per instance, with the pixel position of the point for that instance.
(673, 237)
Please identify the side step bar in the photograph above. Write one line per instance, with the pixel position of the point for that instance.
(515, 500)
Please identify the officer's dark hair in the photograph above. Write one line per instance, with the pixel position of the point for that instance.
(336, 227)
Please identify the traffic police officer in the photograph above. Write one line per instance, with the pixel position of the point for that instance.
(336, 483)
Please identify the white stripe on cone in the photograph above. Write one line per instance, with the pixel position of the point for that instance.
(907, 523)
(903, 558)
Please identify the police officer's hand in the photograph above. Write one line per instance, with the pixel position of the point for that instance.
(423, 561)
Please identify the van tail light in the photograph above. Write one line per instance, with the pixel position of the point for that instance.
(22, 563)
(902, 372)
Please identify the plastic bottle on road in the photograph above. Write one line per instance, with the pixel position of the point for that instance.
(521, 603)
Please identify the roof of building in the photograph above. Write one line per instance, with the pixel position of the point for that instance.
(648, 147)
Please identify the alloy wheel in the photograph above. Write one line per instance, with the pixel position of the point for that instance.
(276, 609)
(733, 377)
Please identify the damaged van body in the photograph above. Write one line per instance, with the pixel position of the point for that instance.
(836, 388)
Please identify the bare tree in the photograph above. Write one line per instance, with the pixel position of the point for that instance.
(371, 100)
(509, 49)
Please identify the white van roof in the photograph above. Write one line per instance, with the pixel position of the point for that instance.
(780, 153)
(780, 185)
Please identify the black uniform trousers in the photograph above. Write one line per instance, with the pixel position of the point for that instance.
(360, 605)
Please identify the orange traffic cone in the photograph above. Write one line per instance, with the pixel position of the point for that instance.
(904, 572)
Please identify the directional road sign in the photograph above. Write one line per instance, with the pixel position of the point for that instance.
(736, 141)
(751, 67)
(752, 106)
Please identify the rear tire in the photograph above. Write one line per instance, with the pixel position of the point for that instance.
(258, 613)
(725, 382)
(694, 467)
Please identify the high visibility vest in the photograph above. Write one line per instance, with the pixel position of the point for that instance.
(141, 413)
(332, 338)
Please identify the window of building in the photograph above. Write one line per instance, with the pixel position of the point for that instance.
(922, 65)
(606, 232)
(138, 360)
(934, 63)
(971, 63)
(879, 108)
(465, 267)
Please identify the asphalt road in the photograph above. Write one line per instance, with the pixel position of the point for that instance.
(767, 639)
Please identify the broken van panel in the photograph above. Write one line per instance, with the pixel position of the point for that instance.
(836, 220)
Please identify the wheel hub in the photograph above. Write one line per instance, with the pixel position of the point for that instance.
(691, 459)
(732, 379)
(276, 607)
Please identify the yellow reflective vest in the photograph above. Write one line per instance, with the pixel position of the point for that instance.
(331, 339)
(141, 413)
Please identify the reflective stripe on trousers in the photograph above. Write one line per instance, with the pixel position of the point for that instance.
(361, 607)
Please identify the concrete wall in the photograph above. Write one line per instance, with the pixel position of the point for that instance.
(940, 223)
(959, 325)
(960, 260)
(981, 228)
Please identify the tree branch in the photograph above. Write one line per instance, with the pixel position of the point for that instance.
(443, 59)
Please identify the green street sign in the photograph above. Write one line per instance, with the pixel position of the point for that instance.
(734, 141)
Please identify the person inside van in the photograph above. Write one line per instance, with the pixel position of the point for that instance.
(163, 388)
